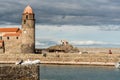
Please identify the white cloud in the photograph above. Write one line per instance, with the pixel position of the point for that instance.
(110, 28)
(79, 27)
(39, 43)
(66, 27)
(89, 42)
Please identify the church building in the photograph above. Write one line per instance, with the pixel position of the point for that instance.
(19, 40)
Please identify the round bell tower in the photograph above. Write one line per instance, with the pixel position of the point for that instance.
(28, 31)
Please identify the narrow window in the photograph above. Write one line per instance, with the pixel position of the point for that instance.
(24, 21)
(8, 38)
(26, 16)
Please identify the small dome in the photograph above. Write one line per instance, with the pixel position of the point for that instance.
(28, 10)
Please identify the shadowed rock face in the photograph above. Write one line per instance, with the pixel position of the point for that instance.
(30, 72)
(63, 48)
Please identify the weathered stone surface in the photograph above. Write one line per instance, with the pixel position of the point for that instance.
(27, 48)
(30, 72)
(12, 45)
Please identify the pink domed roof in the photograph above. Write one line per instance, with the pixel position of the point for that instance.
(28, 10)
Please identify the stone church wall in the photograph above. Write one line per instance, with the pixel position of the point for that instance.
(12, 44)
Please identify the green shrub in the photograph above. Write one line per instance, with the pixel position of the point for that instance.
(44, 55)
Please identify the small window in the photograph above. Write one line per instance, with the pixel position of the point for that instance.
(17, 37)
(8, 38)
(26, 16)
(24, 21)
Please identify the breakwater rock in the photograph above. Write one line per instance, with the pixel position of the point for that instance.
(18, 72)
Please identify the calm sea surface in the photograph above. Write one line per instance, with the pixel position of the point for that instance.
(69, 72)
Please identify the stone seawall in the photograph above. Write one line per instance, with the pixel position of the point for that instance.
(30, 72)
(100, 50)
(99, 56)
(63, 58)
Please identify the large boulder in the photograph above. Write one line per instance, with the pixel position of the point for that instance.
(63, 48)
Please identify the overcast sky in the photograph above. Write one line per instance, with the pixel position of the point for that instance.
(99, 19)
(74, 12)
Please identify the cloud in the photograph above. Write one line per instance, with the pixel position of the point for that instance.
(44, 42)
(77, 28)
(89, 42)
(63, 12)
(66, 27)
(91, 12)
(110, 28)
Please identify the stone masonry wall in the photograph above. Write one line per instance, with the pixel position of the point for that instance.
(30, 72)
(28, 41)
(99, 50)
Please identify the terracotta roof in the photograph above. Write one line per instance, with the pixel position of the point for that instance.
(28, 10)
(9, 29)
(11, 34)
(17, 32)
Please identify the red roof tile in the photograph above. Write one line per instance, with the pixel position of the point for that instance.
(17, 30)
(9, 29)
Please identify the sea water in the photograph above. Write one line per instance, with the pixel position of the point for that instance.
(77, 72)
